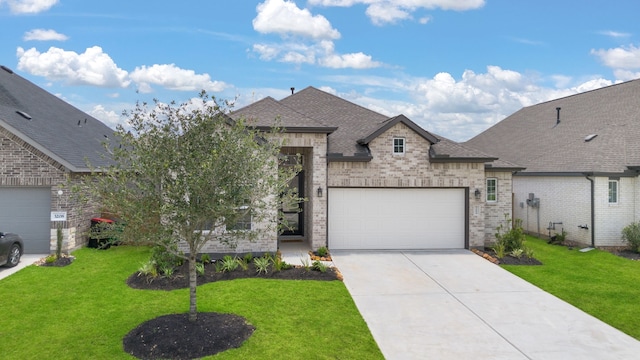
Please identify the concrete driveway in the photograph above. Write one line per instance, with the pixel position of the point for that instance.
(25, 260)
(456, 305)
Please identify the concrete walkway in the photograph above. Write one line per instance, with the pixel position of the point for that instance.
(25, 260)
(456, 305)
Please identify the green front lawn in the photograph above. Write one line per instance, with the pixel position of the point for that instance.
(83, 311)
(599, 283)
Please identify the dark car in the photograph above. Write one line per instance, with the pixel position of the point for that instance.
(11, 248)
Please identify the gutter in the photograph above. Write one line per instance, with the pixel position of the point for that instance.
(593, 213)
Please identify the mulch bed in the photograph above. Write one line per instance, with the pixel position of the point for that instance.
(180, 278)
(175, 337)
(64, 260)
(490, 255)
(628, 254)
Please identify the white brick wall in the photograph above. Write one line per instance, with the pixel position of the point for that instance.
(567, 199)
(562, 199)
(612, 218)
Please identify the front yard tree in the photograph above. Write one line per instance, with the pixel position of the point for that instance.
(188, 173)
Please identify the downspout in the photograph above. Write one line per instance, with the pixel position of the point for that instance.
(593, 213)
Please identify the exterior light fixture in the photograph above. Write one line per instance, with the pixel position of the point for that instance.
(477, 194)
(319, 191)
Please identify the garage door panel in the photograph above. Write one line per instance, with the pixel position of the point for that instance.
(396, 218)
(27, 212)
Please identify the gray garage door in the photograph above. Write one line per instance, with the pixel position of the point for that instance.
(27, 212)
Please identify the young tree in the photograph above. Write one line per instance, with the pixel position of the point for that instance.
(189, 173)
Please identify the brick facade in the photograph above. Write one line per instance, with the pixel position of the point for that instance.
(413, 169)
(24, 166)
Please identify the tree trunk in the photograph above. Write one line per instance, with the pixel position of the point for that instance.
(193, 309)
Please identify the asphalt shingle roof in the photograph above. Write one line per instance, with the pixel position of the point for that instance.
(352, 125)
(533, 138)
(63, 132)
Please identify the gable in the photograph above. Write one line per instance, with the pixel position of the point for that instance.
(416, 147)
(20, 162)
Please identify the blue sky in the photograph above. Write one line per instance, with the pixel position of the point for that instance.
(453, 66)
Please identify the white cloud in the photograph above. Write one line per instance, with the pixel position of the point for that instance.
(390, 11)
(172, 77)
(626, 75)
(286, 18)
(353, 61)
(109, 117)
(29, 6)
(619, 58)
(614, 34)
(459, 108)
(381, 14)
(93, 67)
(308, 38)
(44, 35)
(321, 53)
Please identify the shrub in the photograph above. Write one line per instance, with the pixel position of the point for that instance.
(200, 269)
(322, 251)
(50, 259)
(205, 258)
(243, 264)
(279, 264)
(229, 263)
(148, 268)
(517, 253)
(558, 238)
(319, 266)
(631, 234)
(167, 270)
(511, 237)
(248, 258)
(165, 256)
(499, 249)
(262, 264)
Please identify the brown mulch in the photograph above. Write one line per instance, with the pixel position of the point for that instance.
(175, 337)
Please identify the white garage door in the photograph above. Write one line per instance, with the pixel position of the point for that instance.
(27, 212)
(396, 218)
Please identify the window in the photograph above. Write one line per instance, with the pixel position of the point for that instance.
(243, 220)
(492, 190)
(613, 191)
(398, 146)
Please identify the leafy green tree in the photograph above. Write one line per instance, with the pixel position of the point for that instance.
(187, 174)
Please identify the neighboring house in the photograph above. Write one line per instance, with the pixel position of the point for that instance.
(44, 140)
(582, 160)
(379, 182)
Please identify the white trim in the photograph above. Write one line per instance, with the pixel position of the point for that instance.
(404, 145)
(486, 190)
(617, 199)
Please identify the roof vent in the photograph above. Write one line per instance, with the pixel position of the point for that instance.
(6, 69)
(292, 90)
(23, 114)
(558, 117)
(590, 137)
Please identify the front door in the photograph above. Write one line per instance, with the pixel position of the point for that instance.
(293, 213)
